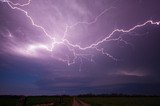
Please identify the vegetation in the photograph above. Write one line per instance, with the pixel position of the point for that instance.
(9, 100)
(58, 100)
(34, 100)
(122, 101)
(94, 100)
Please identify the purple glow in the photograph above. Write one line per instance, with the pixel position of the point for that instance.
(99, 42)
(47, 23)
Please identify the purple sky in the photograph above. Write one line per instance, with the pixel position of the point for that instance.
(79, 46)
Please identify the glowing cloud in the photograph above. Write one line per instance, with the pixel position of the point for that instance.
(63, 40)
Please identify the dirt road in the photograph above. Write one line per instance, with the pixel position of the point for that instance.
(47, 104)
(77, 102)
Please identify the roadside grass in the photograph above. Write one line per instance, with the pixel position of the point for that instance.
(94, 101)
(9, 101)
(34, 100)
(122, 101)
(30, 101)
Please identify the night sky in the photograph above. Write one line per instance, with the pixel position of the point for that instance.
(71, 47)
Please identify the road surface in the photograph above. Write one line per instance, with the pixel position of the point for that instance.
(77, 102)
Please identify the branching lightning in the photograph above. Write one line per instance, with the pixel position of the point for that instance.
(72, 47)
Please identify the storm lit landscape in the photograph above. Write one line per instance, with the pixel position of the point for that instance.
(79, 53)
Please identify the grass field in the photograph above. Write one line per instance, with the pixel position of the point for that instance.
(34, 100)
(94, 101)
(122, 101)
(9, 101)
(30, 101)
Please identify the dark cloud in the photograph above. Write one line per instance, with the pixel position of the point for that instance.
(136, 70)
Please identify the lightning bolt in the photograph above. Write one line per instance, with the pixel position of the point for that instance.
(72, 47)
(18, 4)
